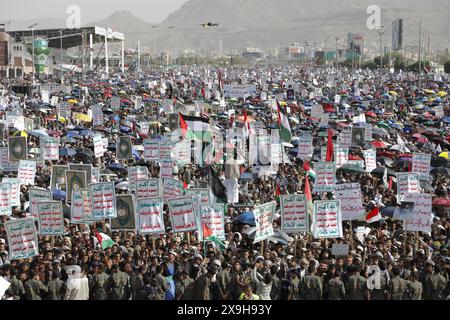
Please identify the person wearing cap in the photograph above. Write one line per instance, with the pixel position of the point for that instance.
(311, 286)
(263, 283)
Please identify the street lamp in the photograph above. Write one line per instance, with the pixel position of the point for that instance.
(32, 42)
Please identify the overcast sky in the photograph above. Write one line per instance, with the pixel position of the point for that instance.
(91, 10)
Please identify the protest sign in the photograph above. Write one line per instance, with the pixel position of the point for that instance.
(64, 109)
(407, 183)
(97, 116)
(17, 149)
(58, 176)
(317, 111)
(326, 176)
(124, 149)
(150, 217)
(75, 180)
(151, 150)
(51, 218)
(15, 190)
(166, 168)
(305, 147)
(238, 91)
(148, 188)
(115, 103)
(103, 197)
(37, 195)
(340, 250)
(344, 139)
(350, 196)
(422, 216)
(22, 238)
(181, 153)
(264, 218)
(27, 172)
(200, 196)
(172, 188)
(340, 156)
(327, 222)
(99, 149)
(5, 199)
(182, 214)
(77, 208)
(368, 132)
(370, 157)
(83, 167)
(50, 148)
(358, 136)
(136, 173)
(125, 220)
(165, 148)
(212, 216)
(294, 216)
(421, 164)
(87, 205)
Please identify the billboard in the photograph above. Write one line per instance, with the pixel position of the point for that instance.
(397, 34)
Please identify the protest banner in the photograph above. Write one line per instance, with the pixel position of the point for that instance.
(421, 164)
(212, 216)
(182, 214)
(27, 172)
(5, 199)
(370, 157)
(422, 216)
(317, 111)
(264, 218)
(51, 218)
(58, 176)
(368, 133)
(136, 173)
(37, 195)
(75, 180)
(238, 91)
(172, 188)
(151, 150)
(17, 149)
(86, 195)
(22, 238)
(325, 176)
(350, 196)
(181, 153)
(327, 222)
(77, 208)
(124, 148)
(103, 197)
(99, 149)
(165, 168)
(97, 116)
(358, 136)
(294, 216)
(165, 148)
(340, 250)
(305, 146)
(125, 220)
(200, 196)
(115, 103)
(15, 190)
(407, 183)
(150, 216)
(50, 148)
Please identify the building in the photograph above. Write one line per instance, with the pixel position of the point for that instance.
(252, 53)
(69, 49)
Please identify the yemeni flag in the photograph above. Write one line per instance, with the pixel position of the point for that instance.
(195, 128)
(283, 123)
(330, 149)
(309, 200)
(373, 215)
(217, 188)
(104, 240)
(208, 235)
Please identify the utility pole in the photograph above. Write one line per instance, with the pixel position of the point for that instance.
(420, 55)
(381, 32)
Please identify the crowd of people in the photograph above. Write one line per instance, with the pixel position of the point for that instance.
(75, 266)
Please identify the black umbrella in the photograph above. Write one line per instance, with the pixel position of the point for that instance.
(441, 170)
(385, 161)
(438, 162)
(380, 170)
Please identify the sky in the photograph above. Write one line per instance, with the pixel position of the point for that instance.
(154, 11)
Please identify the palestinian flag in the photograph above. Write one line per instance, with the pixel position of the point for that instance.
(283, 123)
(330, 149)
(278, 193)
(209, 236)
(309, 200)
(217, 189)
(195, 128)
(373, 215)
(308, 170)
(104, 240)
(246, 129)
